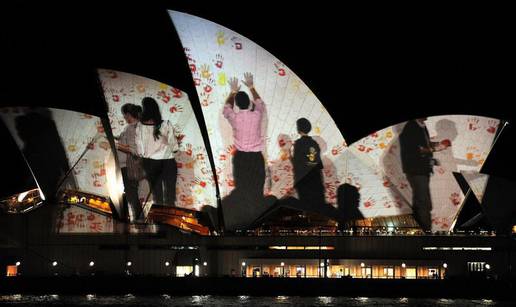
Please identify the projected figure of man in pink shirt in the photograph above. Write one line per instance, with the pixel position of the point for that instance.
(248, 162)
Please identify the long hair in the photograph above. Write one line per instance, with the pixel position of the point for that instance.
(151, 112)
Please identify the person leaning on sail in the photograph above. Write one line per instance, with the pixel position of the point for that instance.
(130, 163)
(248, 161)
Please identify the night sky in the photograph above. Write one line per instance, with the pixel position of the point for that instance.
(371, 67)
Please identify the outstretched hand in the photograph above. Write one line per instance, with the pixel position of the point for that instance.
(233, 85)
(248, 80)
(446, 143)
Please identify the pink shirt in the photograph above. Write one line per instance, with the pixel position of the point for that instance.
(247, 127)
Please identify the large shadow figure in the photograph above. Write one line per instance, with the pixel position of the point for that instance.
(393, 175)
(417, 163)
(348, 202)
(399, 164)
(43, 148)
(46, 156)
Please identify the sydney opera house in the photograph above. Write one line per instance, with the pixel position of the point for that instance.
(250, 178)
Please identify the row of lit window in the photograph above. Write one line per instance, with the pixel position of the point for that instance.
(362, 264)
(302, 247)
(92, 263)
(455, 248)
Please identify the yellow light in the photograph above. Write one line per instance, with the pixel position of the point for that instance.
(114, 181)
(295, 247)
(22, 195)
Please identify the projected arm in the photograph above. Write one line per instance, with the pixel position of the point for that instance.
(233, 84)
(122, 143)
(172, 140)
(124, 148)
(249, 82)
(436, 146)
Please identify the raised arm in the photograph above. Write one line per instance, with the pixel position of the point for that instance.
(172, 137)
(233, 84)
(249, 82)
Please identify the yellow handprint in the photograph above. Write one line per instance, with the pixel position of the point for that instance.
(205, 71)
(220, 38)
(221, 80)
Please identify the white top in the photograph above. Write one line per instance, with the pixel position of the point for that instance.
(160, 149)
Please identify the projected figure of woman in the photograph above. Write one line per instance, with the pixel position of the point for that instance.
(417, 161)
(128, 159)
(156, 143)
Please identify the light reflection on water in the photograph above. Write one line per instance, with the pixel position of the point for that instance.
(243, 300)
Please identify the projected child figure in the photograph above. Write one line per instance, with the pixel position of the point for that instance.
(307, 166)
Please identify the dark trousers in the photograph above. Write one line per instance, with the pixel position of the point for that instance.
(421, 200)
(310, 187)
(161, 176)
(249, 174)
(131, 194)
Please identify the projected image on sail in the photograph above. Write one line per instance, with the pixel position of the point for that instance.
(408, 168)
(161, 151)
(270, 136)
(70, 157)
(496, 198)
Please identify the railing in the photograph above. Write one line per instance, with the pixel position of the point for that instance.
(358, 232)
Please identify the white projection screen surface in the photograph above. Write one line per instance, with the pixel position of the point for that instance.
(54, 140)
(374, 165)
(216, 54)
(477, 182)
(195, 186)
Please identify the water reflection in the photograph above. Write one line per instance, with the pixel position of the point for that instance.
(90, 297)
(325, 300)
(242, 300)
(200, 300)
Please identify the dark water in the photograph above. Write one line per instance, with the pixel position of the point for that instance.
(207, 300)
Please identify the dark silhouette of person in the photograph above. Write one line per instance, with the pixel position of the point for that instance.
(307, 163)
(46, 156)
(128, 159)
(156, 143)
(417, 161)
(43, 148)
(348, 201)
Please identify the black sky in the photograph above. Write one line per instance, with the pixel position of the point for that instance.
(370, 66)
